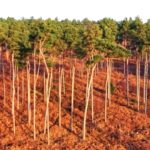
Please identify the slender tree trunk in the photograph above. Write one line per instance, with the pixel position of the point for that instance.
(22, 87)
(34, 98)
(87, 100)
(60, 98)
(4, 90)
(29, 93)
(10, 72)
(72, 97)
(35, 78)
(13, 94)
(138, 81)
(18, 87)
(124, 65)
(92, 102)
(127, 80)
(47, 104)
(109, 82)
(44, 89)
(145, 83)
(106, 91)
(1, 65)
(63, 80)
(48, 86)
(48, 92)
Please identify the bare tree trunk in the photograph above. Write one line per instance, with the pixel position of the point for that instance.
(72, 97)
(34, 98)
(44, 87)
(47, 104)
(4, 90)
(106, 91)
(109, 82)
(1, 65)
(22, 87)
(48, 86)
(127, 80)
(60, 98)
(63, 80)
(145, 83)
(13, 94)
(29, 93)
(138, 81)
(36, 74)
(7, 56)
(92, 103)
(87, 80)
(48, 92)
(10, 72)
(139, 91)
(87, 100)
(18, 88)
(124, 65)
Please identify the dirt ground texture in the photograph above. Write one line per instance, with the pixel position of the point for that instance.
(126, 128)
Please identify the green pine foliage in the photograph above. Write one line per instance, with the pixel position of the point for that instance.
(84, 39)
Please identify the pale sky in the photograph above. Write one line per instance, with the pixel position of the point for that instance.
(75, 9)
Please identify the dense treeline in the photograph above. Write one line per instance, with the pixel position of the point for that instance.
(48, 41)
(55, 37)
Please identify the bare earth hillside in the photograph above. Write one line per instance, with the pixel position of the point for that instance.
(126, 128)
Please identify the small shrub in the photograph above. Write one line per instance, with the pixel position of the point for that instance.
(134, 101)
(112, 88)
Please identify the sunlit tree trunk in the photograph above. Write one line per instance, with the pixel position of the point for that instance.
(47, 103)
(13, 94)
(22, 87)
(87, 99)
(138, 81)
(109, 81)
(18, 89)
(87, 81)
(92, 102)
(124, 65)
(63, 80)
(72, 97)
(48, 82)
(29, 93)
(106, 91)
(35, 78)
(145, 83)
(4, 88)
(60, 93)
(44, 87)
(0, 55)
(34, 97)
(7, 56)
(127, 80)
(10, 73)
(48, 86)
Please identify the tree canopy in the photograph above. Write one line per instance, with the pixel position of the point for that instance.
(85, 38)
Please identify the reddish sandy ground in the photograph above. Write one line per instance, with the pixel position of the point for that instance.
(126, 128)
